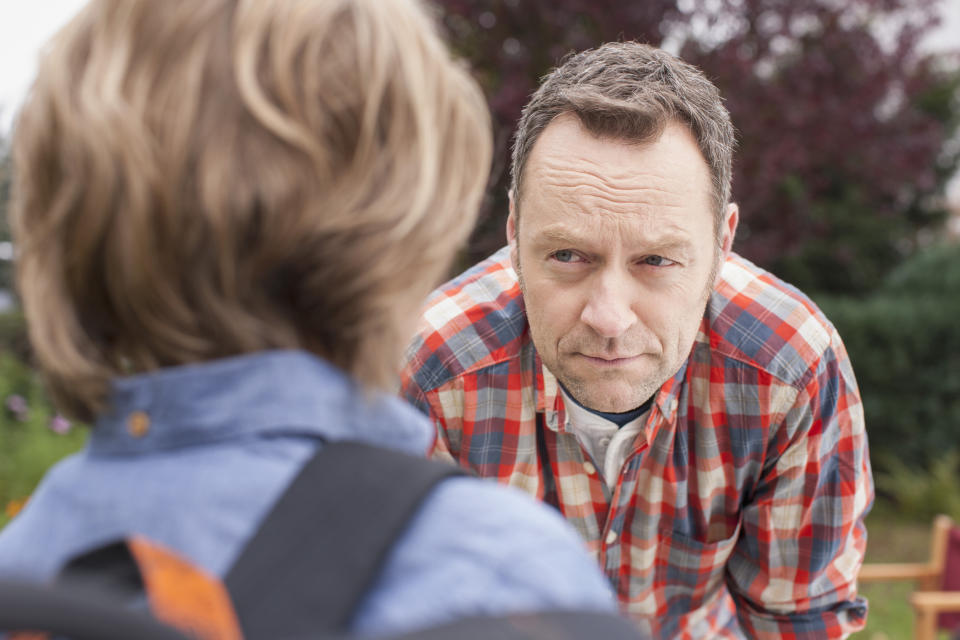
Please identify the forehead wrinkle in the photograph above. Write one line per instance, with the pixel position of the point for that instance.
(603, 172)
(589, 188)
(650, 233)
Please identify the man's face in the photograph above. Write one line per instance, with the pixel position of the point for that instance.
(616, 252)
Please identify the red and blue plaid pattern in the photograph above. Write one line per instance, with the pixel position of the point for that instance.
(739, 510)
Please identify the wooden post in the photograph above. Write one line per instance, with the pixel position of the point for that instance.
(938, 554)
(927, 605)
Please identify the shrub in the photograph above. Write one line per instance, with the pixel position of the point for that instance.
(904, 343)
(921, 494)
(935, 272)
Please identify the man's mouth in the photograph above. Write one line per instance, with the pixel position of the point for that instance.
(606, 360)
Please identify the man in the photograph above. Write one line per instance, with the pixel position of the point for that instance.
(227, 215)
(694, 417)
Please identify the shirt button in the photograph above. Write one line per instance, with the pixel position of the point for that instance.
(138, 424)
(611, 537)
(605, 442)
(589, 468)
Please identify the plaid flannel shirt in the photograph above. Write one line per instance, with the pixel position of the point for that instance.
(739, 510)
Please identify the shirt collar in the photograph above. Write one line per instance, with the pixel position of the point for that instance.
(270, 393)
(579, 418)
(549, 400)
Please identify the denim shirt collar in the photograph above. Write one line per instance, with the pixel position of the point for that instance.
(265, 394)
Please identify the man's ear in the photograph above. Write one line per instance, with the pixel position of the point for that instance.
(729, 230)
(512, 232)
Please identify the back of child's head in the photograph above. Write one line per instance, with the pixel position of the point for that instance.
(196, 179)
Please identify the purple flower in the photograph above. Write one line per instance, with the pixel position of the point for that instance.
(59, 424)
(17, 405)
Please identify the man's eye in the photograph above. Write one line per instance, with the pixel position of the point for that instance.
(658, 261)
(564, 255)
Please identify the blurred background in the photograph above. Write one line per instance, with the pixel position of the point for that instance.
(848, 120)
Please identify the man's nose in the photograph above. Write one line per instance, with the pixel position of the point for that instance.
(608, 310)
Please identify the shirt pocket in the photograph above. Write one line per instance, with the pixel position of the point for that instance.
(689, 571)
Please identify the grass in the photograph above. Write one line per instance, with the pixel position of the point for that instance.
(32, 436)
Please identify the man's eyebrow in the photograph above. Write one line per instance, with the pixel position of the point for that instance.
(668, 243)
(558, 234)
(561, 234)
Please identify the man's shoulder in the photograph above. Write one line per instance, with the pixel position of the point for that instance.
(471, 322)
(758, 319)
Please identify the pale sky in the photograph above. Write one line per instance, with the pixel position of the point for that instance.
(26, 24)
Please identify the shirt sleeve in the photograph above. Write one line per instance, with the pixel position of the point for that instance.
(793, 571)
(412, 392)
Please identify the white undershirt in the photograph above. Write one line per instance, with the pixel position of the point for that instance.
(607, 443)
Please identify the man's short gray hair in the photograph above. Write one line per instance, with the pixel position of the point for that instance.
(630, 91)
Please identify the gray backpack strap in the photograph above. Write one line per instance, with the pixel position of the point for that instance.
(323, 545)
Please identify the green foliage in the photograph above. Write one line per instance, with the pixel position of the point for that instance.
(904, 343)
(934, 272)
(28, 444)
(921, 494)
(13, 335)
(856, 252)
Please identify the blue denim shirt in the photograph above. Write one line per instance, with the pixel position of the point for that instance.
(194, 456)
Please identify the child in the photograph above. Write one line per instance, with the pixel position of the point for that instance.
(227, 214)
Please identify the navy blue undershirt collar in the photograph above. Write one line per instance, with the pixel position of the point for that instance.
(618, 419)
